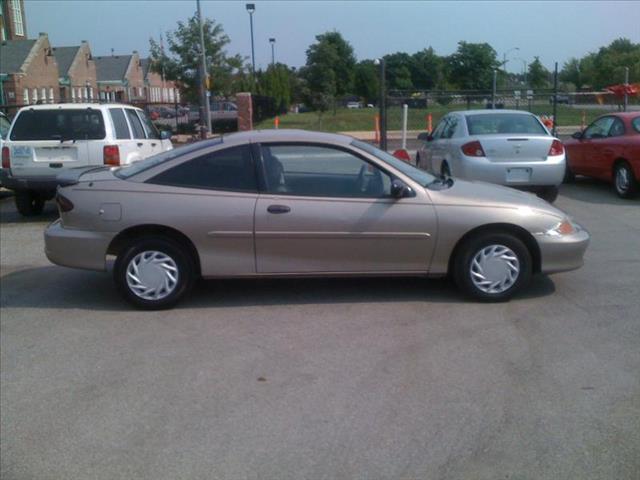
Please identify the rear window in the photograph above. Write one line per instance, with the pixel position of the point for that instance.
(499, 123)
(635, 123)
(136, 125)
(68, 124)
(120, 124)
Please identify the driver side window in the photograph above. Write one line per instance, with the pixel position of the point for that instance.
(319, 171)
(599, 129)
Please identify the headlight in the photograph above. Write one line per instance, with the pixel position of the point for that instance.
(565, 227)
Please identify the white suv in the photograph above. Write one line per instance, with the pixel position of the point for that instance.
(45, 140)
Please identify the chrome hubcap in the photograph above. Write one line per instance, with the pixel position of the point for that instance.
(622, 179)
(152, 275)
(494, 269)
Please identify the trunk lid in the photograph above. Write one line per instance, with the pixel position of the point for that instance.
(516, 148)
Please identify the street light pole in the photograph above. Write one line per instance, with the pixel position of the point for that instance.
(383, 105)
(272, 41)
(205, 115)
(251, 7)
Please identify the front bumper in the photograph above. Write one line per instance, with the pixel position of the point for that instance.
(561, 254)
(544, 173)
(76, 248)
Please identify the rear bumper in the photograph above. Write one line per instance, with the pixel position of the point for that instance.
(561, 254)
(76, 248)
(544, 173)
(48, 184)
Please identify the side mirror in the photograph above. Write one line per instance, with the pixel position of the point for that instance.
(425, 137)
(165, 135)
(399, 189)
(577, 135)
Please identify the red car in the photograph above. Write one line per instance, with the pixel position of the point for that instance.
(608, 149)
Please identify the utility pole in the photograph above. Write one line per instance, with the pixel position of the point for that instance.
(493, 91)
(205, 114)
(251, 7)
(272, 41)
(555, 100)
(383, 105)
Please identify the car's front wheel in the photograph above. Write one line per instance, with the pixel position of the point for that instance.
(624, 181)
(154, 272)
(550, 194)
(29, 203)
(492, 266)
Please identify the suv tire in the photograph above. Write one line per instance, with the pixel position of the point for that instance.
(29, 203)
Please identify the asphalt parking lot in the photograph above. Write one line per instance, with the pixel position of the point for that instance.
(325, 379)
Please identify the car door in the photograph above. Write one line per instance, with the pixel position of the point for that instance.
(140, 141)
(211, 198)
(153, 136)
(592, 144)
(436, 148)
(327, 209)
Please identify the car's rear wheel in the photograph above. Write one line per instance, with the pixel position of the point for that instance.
(445, 170)
(492, 267)
(569, 176)
(624, 181)
(549, 194)
(154, 272)
(29, 203)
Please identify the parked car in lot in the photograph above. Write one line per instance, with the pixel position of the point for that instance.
(507, 147)
(608, 149)
(296, 203)
(45, 140)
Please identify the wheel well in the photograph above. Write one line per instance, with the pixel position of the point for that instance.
(515, 230)
(617, 162)
(126, 236)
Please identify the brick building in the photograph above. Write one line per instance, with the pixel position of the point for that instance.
(120, 78)
(77, 73)
(158, 90)
(28, 72)
(13, 24)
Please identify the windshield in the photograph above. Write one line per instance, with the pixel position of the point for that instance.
(420, 176)
(58, 124)
(128, 171)
(509, 123)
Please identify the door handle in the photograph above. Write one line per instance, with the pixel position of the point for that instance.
(153, 144)
(140, 144)
(278, 209)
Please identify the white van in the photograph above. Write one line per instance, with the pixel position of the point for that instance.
(45, 140)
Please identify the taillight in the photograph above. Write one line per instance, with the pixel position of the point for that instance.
(473, 149)
(111, 155)
(64, 203)
(556, 148)
(6, 157)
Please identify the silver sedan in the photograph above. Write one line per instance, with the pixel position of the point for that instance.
(507, 147)
(294, 203)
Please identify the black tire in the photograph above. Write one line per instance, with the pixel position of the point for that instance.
(462, 266)
(29, 203)
(549, 194)
(445, 169)
(569, 176)
(626, 189)
(183, 261)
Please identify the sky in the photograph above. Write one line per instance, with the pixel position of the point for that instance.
(554, 31)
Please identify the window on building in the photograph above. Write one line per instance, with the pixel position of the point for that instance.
(18, 26)
(91, 93)
(25, 96)
(50, 94)
(43, 94)
(177, 96)
(171, 95)
(73, 95)
(35, 95)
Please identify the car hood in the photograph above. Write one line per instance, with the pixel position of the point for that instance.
(488, 195)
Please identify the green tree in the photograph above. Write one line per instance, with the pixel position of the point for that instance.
(471, 66)
(329, 70)
(572, 73)
(538, 75)
(608, 64)
(367, 81)
(181, 61)
(398, 71)
(276, 83)
(427, 70)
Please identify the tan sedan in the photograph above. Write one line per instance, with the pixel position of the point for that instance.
(297, 203)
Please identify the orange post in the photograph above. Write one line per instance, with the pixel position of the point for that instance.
(276, 122)
(584, 120)
(429, 123)
(376, 127)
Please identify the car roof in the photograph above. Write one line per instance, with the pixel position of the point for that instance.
(285, 135)
(490, 111)
(628, 115)
(66, 106)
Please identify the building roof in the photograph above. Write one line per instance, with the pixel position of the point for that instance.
(13, 54)
(112, 68)
(64, 58)
(146, 66)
